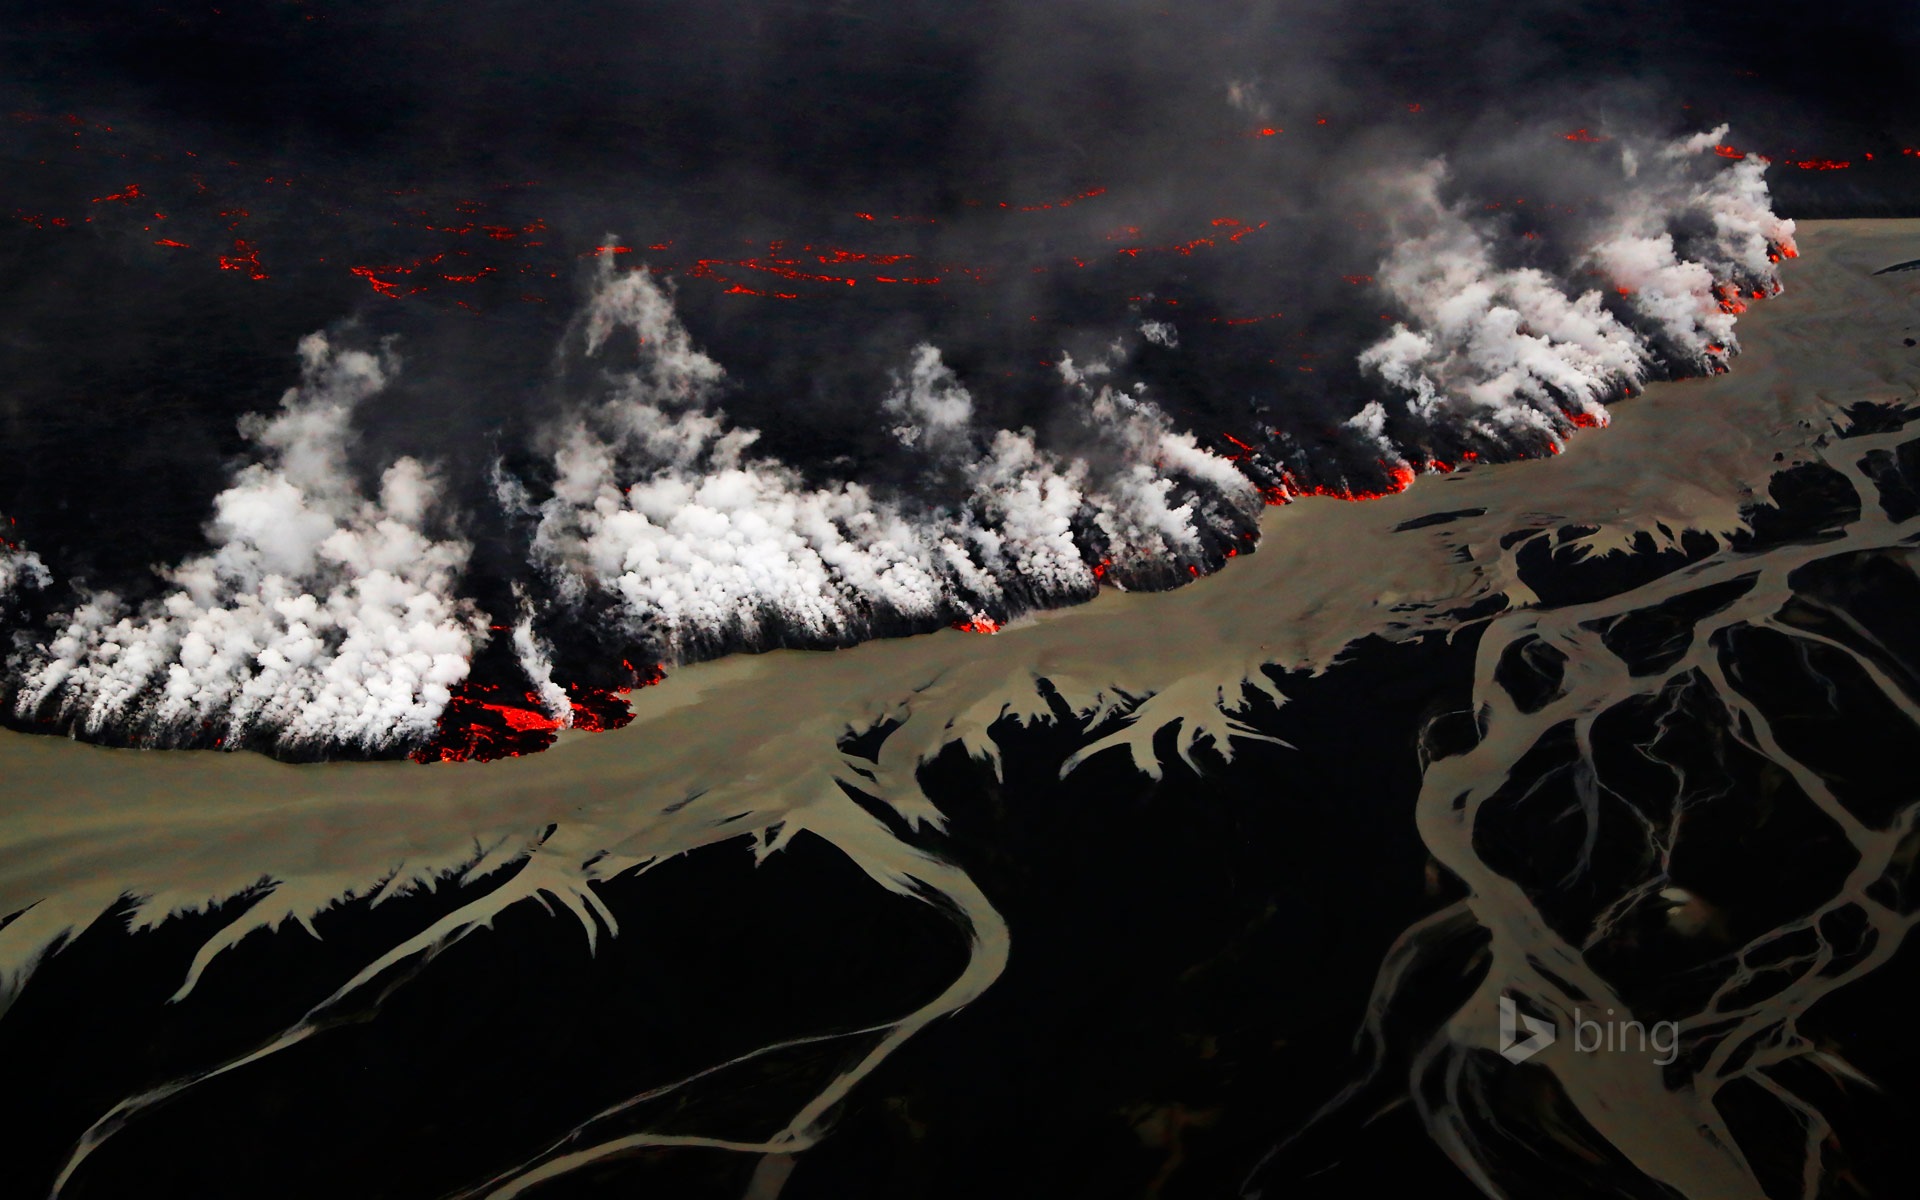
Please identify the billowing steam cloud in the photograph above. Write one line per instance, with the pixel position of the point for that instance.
(20, 570)
(321, 619)
(660, 506)
(1686, 252)
(1500, 351)
(326, 620)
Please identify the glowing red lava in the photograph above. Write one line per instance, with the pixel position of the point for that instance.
(1245, 451)
(483, 722)
(1729, 297)
(472, 728)
(1068, 202)
(1400, 477)
(386, 288)
(244, 258)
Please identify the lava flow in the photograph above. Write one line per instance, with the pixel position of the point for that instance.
(483, 722)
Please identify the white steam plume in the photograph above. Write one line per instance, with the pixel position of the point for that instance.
(1687, 290)
(535, 656)
(660, 504)
(20, 570)
(321, 617)
(1498, 351)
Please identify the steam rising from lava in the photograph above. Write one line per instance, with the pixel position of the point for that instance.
(321, 618)
(1502, 352)
(661, 511)
(20, 570)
